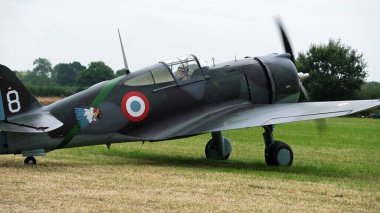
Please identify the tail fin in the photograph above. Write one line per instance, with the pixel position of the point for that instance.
(15, 98)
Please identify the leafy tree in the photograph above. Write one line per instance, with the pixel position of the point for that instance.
(77, 67)
(96, 72)
(41, 73)
(336, 71)
(66, 74)
(42, 67)
(24, 76)
(120, 72)
(369, 90)
(60, 71)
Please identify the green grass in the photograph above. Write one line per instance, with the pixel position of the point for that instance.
(346, 154)
(337, 171)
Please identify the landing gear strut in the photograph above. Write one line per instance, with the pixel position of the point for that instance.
(30, 160)
(218, 148)
(277, 153)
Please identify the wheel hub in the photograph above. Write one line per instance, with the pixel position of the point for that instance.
(283, 157)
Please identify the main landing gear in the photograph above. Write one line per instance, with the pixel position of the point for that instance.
(30, 160)
(218, 147)
(277, 153)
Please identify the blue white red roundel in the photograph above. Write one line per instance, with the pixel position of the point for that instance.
(135, 106)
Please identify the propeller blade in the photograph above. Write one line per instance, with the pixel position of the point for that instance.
(321, 125)
(304, 91)
(285, 39)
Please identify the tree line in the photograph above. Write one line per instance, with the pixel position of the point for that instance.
(67, 74)
(64, 78)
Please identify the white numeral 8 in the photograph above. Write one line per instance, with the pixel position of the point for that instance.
(13, 102)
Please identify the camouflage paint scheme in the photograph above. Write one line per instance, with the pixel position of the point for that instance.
(240, 82)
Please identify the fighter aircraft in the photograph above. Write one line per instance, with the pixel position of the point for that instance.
(172, 99)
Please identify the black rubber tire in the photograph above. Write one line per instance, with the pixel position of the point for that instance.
(212, 153)
(279, 154)
(30, 161)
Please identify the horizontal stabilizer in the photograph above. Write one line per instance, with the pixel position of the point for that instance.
(31, 123)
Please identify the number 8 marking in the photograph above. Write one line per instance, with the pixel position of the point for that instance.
(13, 104)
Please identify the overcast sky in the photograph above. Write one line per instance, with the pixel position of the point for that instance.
(65, 31)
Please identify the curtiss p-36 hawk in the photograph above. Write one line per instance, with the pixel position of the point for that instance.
(172, 99)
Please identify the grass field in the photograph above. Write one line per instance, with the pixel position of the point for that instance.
(337, 171)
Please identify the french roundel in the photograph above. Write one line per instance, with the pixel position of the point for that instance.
(135, 106)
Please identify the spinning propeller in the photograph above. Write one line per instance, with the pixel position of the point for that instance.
(288, 49)
(321, 123)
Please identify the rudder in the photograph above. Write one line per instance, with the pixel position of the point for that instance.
(2, 113)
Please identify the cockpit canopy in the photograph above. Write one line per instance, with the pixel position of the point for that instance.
(180, 70)
(185, 68)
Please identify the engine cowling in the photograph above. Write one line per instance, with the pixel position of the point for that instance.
(282, 76)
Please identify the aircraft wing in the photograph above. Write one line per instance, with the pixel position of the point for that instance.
(242, 114)
(31, 123)
(261, 115)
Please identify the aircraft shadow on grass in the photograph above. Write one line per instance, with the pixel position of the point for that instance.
(234, 166)
(139, 158)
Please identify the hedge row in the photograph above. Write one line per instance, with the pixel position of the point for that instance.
(53, 90)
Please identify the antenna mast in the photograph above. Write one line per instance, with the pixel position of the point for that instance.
(122, 50)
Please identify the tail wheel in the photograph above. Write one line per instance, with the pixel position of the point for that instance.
(30, 161)
(279, 154)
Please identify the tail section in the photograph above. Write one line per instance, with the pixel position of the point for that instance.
(14, 97)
